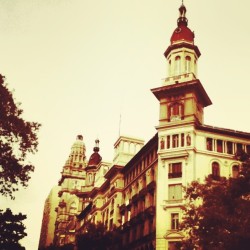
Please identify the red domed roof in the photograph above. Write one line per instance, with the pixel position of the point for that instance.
(94, 159)
(182, 33)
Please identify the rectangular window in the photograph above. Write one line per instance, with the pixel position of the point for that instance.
(111, 224)
(174, 221)
(210, 144)
(175, 192)
(229, 147)
(239, 148)
(219, 146)
(248, 149)
(175, 141)
(182, 140)
(168, 141)
(175, 170)
(142, 204)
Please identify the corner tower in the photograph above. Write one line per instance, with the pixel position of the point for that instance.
(182, 100)
(182, 96)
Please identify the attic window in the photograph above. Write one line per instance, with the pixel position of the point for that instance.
(188, 64)
(177, 65)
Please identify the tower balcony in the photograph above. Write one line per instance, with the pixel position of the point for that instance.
(180, 78)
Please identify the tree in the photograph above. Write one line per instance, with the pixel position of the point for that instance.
(53, 247)
(96, 237)
(217, 214)
(12, 230)
(17, 138)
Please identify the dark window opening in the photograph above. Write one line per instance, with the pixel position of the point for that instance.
(175, 170)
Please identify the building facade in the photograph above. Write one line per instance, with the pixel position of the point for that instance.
(139, 194)
(49, 218)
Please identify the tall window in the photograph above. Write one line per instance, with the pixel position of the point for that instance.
(188, 64)
(239, 147)
(182, 140)
(209, 144)
(174, 221)
(72, 208)
(177, 65)
(112, 204)
(175, 192)
(162, 143)
(235, 171)
(229, 147)
(219, 146)
(175, 170)
(168, 141)
(169, 67)
(175, 111)
(111, 224)
(215, 170)
(90, 177)
(248, 149)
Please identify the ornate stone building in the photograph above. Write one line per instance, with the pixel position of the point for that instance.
(49, 218)
(140, 192)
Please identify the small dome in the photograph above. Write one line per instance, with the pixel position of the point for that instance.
(182, 33)
(94, 159)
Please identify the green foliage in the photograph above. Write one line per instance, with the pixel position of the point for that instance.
(53, 247)
(217, 214)
(17, 138)
(96, 237)
(11, 230)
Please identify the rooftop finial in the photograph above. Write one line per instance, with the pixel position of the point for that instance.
(96, 148)
(182, 20)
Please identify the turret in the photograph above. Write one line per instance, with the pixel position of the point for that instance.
(94, 160)
(182, 97)
(182, 54)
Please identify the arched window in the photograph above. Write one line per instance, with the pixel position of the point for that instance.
(72, 208)
(176, 111)
(235, 171)
(188, 64)
(90, 178)
(126, 147)
(162, 143)
(177, 65)
(215, 170)
(169, 67)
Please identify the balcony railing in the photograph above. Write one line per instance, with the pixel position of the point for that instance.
(172, 203)
(179, 78)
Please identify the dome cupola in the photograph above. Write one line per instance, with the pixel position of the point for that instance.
(182, 32)
(95, 158)
(182, 54)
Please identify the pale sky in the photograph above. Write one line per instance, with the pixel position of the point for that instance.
(76, 65)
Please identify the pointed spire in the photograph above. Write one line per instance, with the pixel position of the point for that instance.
(182, 20)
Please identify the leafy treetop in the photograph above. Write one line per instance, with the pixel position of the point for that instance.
(17, 138)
